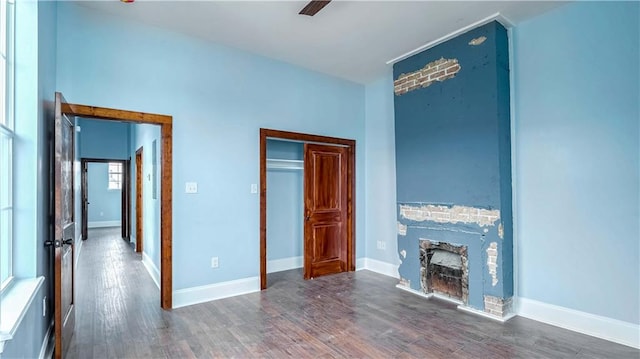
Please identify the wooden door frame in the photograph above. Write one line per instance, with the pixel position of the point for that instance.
(124, 214)
(351, 190)
(139, 200)
(166, 219)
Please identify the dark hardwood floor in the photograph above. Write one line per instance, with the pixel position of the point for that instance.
(350, 315)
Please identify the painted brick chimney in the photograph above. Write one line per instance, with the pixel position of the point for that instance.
(453, 168)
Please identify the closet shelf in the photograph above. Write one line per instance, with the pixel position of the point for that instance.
(273, 163)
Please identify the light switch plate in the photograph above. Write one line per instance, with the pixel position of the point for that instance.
(191, 187)
(254, 188)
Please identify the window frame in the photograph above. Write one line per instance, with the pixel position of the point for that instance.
(7, 131)
(120, 174)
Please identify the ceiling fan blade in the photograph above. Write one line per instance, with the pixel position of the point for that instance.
(313, 7)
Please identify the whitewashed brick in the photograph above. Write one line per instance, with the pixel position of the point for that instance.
(456, 214)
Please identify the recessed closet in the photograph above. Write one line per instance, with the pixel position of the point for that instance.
(285, 205)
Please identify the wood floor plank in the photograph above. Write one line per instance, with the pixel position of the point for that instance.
(348, 315)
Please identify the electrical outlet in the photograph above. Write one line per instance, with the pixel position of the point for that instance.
(382, 245)
(191, 187)
(44, 306)
(214, 262)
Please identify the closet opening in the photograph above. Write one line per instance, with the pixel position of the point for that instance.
(285, 205)
(307, 196)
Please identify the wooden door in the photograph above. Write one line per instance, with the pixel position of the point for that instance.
(325, 208)
(139, 178)
(64, 233)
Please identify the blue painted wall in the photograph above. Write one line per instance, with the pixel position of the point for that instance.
(380, 172)
(144, 136)
(35, 86)
(576, 141)
(104, 139)
(453, 148)
(285, 202)
(29, 336)
(576, 158)
(104, 203)
(219, 99)
(285, 150)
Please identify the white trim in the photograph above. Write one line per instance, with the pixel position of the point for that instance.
(279, 265)
(14, 304)
(497, 17)
(447, 299)
(151, 268)
(206, 293)
(429, 295)
(461, 307)
(46, 350)
(414, 292)
(103, 224)
(380, 267)
(586, 323)
(485, 314)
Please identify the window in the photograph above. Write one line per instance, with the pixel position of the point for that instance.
(6, 141)
(115, 175)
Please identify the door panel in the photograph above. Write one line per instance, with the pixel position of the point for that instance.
(64, 224)
(325, 244)
(327, 181)
(327, 249)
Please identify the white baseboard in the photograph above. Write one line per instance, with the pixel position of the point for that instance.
(46, 350)
(586, 323)
(206, 293)
(414, 292)
(485, 314)
(380, 267)
(103, 224)
(457, 302)
(279, 265)
(151, 268)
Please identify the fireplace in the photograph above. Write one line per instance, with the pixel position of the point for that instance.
(444, 269)
(453, 171)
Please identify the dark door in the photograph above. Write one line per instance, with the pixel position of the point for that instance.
(139, 223)
(85, 199)
(325, 206)
(64, 312)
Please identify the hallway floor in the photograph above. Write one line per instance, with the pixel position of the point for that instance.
(349, 315)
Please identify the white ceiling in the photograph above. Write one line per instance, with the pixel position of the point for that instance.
(349, 39)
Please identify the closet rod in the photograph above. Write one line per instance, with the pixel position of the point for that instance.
(273, 163)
